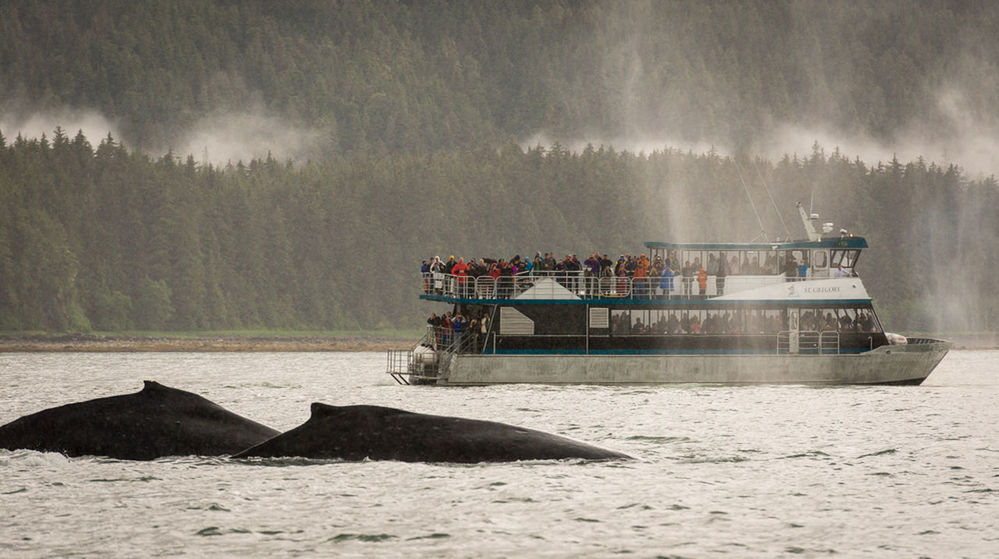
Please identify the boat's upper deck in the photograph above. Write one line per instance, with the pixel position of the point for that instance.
(667, 271)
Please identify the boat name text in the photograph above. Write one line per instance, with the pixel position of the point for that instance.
(821, 289)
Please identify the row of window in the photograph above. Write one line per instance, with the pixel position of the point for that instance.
(741, 321)
(757, 262)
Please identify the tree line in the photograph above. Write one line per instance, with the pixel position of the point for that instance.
(429, 75)
(111, 239)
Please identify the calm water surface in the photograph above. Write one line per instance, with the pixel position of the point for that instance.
(719, 471)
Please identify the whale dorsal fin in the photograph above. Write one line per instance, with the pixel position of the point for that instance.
(319, 409)
(151, 385)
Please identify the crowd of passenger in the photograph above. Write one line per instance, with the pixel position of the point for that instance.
(737, 322)
(659, 276)
(455, 328)
(663, 275)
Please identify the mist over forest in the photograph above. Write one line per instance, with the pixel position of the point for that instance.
(252, 164)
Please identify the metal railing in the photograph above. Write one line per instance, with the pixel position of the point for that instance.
(433, 355)
(826, 342)
(400, 364)
(420, 365)
(587, 285)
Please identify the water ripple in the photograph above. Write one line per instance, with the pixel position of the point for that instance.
(738, 471)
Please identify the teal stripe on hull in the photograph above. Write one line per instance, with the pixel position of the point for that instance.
(677, 302)
(843, 351)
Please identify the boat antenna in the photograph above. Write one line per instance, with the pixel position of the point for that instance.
(774, 202)
(806, 220)
(745, 187)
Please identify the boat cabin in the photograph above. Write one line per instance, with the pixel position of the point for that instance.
(825, 258)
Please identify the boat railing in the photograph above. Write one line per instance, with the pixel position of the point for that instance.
(826, 342)
(588, 285)
(444, 339)
(419, 365)
(400, 364)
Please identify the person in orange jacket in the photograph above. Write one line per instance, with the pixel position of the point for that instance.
(702, 282)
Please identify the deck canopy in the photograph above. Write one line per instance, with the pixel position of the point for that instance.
(832, 257)
(838, 242)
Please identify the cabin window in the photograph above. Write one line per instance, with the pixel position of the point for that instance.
(845, 257)
(692, 322)
(620, 322)
(861, 320)
(807, 321)
(639, 321)
(515, 323)
(801, 256)
(821, 260)
(738, 322)
(712, 266)
(735, 263)
(657, 322)
(828, 319)
(673, 323)
(770, 265)
(599, 318)
(695, 258)
(758, 262)
(720, 322)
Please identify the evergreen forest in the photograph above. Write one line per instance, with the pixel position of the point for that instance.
(418, 126)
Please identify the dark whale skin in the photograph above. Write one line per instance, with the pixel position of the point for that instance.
(353, 433)
(155, 422)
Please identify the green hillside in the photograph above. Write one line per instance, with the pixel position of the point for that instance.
(423, 76)
(415, 115)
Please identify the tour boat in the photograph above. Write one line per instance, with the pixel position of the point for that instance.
(750, 313)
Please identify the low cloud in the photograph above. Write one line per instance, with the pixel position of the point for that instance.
(633, 145)
(94, 125)
(218, 139)
(233, 137)
(955, 136)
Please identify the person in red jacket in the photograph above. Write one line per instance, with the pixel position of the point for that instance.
(461, 271)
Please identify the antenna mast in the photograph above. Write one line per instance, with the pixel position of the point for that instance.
(745, 187)
(774, 202)
(807, 220)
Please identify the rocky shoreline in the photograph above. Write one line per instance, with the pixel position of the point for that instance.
(220, 343)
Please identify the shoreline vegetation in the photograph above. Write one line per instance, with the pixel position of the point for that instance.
(205, 342)
(285, 342)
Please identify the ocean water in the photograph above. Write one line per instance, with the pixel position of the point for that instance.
(749, 471)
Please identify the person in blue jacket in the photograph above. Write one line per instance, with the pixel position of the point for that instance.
(666, 282)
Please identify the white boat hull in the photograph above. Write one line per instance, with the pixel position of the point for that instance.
(890, 364)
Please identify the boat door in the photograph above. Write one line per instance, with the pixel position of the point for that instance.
(792, 326)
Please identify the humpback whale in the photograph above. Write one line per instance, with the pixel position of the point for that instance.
(354, 433)
(154, 422)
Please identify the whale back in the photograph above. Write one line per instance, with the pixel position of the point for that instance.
(154, 422)
(379, 433)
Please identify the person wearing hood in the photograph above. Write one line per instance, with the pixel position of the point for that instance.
(437, 272)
